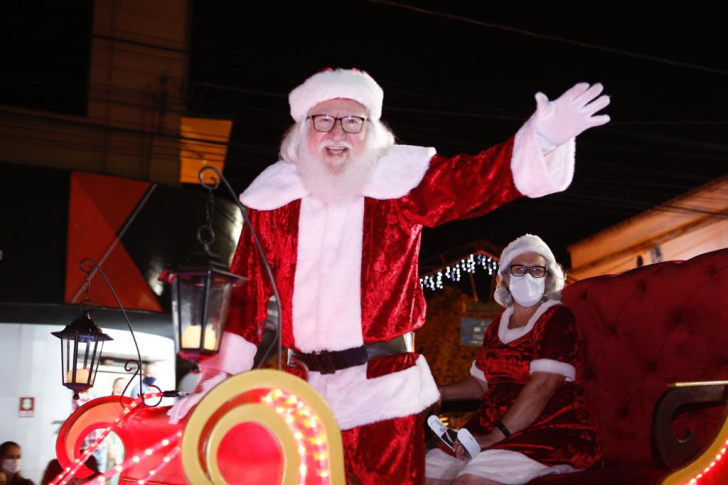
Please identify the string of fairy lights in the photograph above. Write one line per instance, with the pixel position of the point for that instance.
(718, 457)
(469, 264)
(69, 472)
(303, 421)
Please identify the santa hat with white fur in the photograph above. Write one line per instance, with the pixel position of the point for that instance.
(531, 244)
(336, 83)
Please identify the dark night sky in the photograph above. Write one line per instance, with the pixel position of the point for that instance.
(459, 76)
(462, 78)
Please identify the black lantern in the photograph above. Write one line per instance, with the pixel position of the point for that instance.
(81, 344)
(201, 290)
(202, 287)
(83, 341)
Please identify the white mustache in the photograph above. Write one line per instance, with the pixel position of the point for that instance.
(336, 144)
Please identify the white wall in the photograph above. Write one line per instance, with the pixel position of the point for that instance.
(32, 360)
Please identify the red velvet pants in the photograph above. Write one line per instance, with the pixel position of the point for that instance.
(386, 452)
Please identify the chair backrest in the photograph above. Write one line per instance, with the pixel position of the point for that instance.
(644, 329)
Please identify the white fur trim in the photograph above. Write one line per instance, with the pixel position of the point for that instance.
(356, 400)
(396, 173)
(338, 83)
(501, 466)
(508, 335)
(399, 171)
(236, 355)
(477, 373)
(527, 243)
(554, 367)
(536, 174)
(327, 283)
(275, 187)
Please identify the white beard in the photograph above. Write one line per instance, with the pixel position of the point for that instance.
(334, 180)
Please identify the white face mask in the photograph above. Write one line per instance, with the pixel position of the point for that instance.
(527, 290)
(12, 466)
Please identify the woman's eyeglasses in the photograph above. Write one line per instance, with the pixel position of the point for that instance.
(519, 270)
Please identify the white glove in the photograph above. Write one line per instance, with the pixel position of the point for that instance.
(560, 120)
(207, 382)
(470, 444)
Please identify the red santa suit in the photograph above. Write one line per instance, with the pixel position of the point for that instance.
(347, 276)
(564, 437)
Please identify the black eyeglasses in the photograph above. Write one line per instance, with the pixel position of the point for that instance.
(519, 270)
(325, 123)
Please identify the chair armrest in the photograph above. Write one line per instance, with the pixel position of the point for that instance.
(671, 450)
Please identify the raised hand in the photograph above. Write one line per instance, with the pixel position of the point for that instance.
(572, 113)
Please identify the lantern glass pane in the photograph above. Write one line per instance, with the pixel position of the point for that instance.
(175, 313)
(66, 356)
(80, 359)
(191, 305)
(83, 362)
(218, 302)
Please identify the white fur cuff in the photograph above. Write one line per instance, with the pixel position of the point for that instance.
(554, 367)
(477, 373)
(235, 356)
(536, 174)
(357, 401)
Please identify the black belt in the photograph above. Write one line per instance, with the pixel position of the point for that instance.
(327, 362)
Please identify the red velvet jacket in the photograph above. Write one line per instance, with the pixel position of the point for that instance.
(347, 271)
(392, 303)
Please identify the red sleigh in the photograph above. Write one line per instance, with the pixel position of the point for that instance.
(263, 427)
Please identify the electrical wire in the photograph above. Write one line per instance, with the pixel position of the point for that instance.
(453, 134)
(553, 38)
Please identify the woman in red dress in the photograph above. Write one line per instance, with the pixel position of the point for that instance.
(532, 419)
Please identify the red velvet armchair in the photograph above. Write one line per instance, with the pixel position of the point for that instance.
(644, 330)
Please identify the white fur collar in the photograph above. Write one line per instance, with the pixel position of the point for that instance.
(278, 185)
(399, 171)
(396, 173)
(508, 335)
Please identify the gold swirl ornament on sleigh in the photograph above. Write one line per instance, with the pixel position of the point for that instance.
(266, 426)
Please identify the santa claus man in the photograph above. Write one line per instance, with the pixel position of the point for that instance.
(340, 218)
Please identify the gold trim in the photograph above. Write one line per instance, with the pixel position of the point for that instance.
(237, 386)
(698, 383)
(687, 473)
